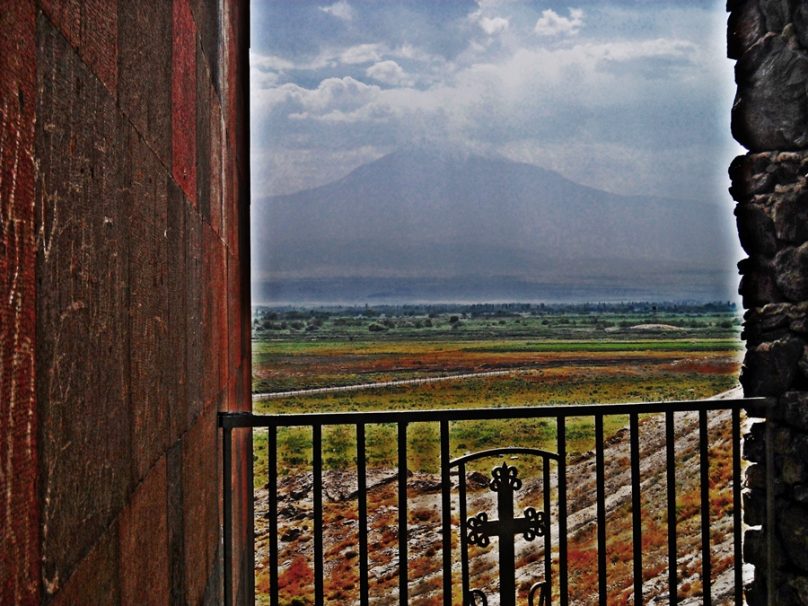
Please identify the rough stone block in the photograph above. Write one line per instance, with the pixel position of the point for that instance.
(769, 368)
(800, 492)
(792, 524)
(757, 287)
(754, 507)
(775, 321)
(754, 546)
(750, 175)
(790, 215)
(800, 20)
(792, 470)
(791, 272)
(745, 27)
(756, 230)
(799, 587)
(754, 446)
(184, 99)
(144, 542)
(793, 408)
(776, 14)
(144, 70)
(770, 110)
(800, 449)
(782, 442)
(82, 359)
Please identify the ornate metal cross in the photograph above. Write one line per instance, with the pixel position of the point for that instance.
(479, 529)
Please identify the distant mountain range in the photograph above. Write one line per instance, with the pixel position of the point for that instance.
(421, 225)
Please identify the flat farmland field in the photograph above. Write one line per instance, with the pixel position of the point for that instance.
(454, 359)
(504, 357)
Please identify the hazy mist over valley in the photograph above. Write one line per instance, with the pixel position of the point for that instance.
(429, 225)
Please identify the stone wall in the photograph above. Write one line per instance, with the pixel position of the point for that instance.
(125, 284)
(769, 40)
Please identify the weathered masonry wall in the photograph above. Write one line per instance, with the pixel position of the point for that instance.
(769, 40)
(125, 297)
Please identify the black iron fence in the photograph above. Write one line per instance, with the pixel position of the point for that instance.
(543, 525)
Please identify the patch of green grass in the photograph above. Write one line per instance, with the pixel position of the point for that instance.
(668, 345)
(558, 388)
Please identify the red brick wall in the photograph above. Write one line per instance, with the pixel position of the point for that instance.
(125, 253)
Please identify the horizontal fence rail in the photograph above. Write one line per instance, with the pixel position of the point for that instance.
(532, 572)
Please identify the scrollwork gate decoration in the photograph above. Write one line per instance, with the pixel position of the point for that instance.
(479, 529)
(505, 475)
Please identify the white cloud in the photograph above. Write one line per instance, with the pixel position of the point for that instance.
(361, 53)
(333, 97)
(341, 10)
(262, 79)
(493, 3)
(522, 95)
(388, 72)
(493, 25)
(263, 62)
(531, 92)
(490, 25)
(408, 51)
(552, 24)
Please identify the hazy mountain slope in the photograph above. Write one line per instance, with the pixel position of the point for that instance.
(425, 215)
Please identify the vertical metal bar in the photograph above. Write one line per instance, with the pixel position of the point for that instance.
(636, 505)
(770, 523)
(670, 459)
(272, 513)
(362, 490)
(548, 569)
(601, 509)
(704, 475)
(507, 549)
(403, 557)
(317, 478)
(228, 515)
(561, 439)
(446, 507)
(737, 525)
(464, 548)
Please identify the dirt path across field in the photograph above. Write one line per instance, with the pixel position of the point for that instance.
(277, 395)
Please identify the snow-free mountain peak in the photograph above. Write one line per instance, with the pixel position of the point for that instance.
(459, 218)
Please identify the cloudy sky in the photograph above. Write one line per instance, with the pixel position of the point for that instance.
(631, 96)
